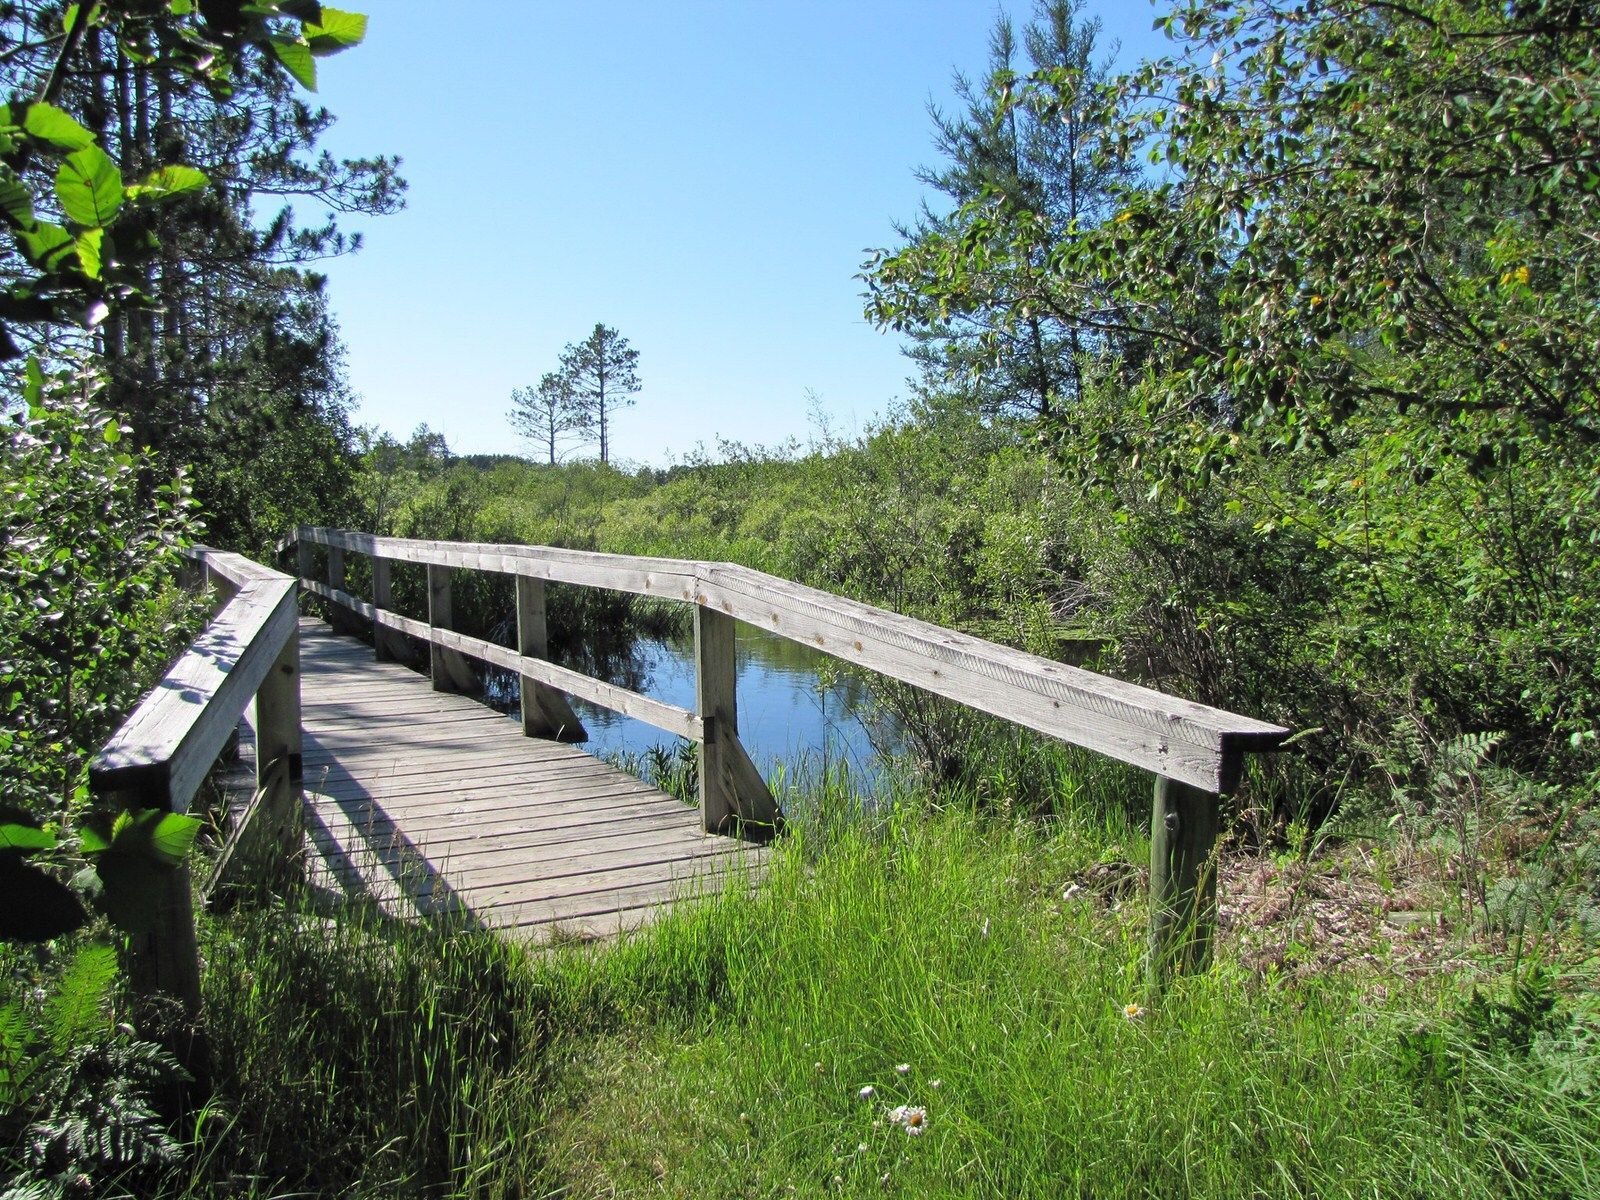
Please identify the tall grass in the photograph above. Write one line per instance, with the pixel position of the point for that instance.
(724, 1051)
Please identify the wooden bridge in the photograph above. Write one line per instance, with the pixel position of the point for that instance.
(429, 803)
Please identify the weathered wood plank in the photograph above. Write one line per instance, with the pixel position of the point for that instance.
(163, 750)
(1175, 738)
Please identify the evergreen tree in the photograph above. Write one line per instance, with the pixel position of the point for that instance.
(1007, 352)
(603, 371)
(545, 414)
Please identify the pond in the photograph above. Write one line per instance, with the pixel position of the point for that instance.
(797, 710)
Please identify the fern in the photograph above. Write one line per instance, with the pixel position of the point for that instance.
(77, 1010)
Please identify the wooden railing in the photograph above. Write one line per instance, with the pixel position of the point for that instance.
(158, 758)
(1196, 752)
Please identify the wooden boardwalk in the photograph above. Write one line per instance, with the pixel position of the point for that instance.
(434, 804)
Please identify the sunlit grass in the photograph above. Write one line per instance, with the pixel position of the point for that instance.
(899, 968)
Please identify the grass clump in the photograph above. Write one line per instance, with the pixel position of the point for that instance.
(932, 960)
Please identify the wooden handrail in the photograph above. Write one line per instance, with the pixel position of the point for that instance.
(1196, 751)
(1175, 738)
(249, 651)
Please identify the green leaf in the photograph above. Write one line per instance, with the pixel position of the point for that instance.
(37, 907)
(112, 434)
(49, 124)
(92, 841)
(168, 181)
(336, 31)
(89, 187)
(16, 201)
(46, 245)
(33, 387)
(162, 837)
(26, 838)
(89, 243)
(172, 837)
(295, 54)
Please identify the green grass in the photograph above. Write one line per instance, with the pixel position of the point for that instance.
(723, 1052)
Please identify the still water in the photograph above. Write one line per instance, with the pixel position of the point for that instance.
(795, 709)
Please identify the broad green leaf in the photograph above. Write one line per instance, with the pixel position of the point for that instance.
(92, 841)
(89, 245)
(49, 124)
(46, 245)
(336, 31)
(37, 907)
(112, 434)
(16, 201)
(295, 55)
(33, 387)
(89, 188)
(26, 838)
(172, 837)
(169, 181)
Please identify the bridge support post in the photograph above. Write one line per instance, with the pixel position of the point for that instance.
(339, 617)
(1183, 879)
(734, 798)
(279, 773)
(382, 598)
(545, 711)
(449, 670)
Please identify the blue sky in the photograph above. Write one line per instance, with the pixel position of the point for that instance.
(706, 177)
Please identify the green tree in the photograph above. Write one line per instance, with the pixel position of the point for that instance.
(545, 415)
(603, 371)
(1366, 286)
(1041, 159)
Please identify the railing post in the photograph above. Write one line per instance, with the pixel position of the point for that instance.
(449, 670)
(381, 598)
(734, 797)
(1183, 878)
(545, 711)
(303, 553)
(339, 619)
(279, 773)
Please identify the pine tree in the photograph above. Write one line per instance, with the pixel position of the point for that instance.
(604, 374)
(1029, 162)
(545, 413)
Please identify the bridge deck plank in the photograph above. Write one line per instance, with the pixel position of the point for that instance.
(429, 803)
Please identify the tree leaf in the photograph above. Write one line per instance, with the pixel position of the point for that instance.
(46, 245)
(37, 907)
(16, 201)
(172, 837)
(89, 243)
(49, 124)
(295, 55)
(89, 187)
(168, 181)
(336, 31)
(25, 837)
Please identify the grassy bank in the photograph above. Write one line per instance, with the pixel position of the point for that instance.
(980, 970)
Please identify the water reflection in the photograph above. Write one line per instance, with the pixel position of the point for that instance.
(795, 706)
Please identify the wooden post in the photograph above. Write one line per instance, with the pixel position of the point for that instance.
(338, 616)
(303, 555)
(277, 722)
(381, 598)
(734, 798)
(545, 711)
(1183, 878)
(449, 670)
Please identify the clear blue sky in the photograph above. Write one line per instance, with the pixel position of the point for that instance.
(706, 177)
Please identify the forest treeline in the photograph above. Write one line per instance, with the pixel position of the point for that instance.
(1266, 369)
